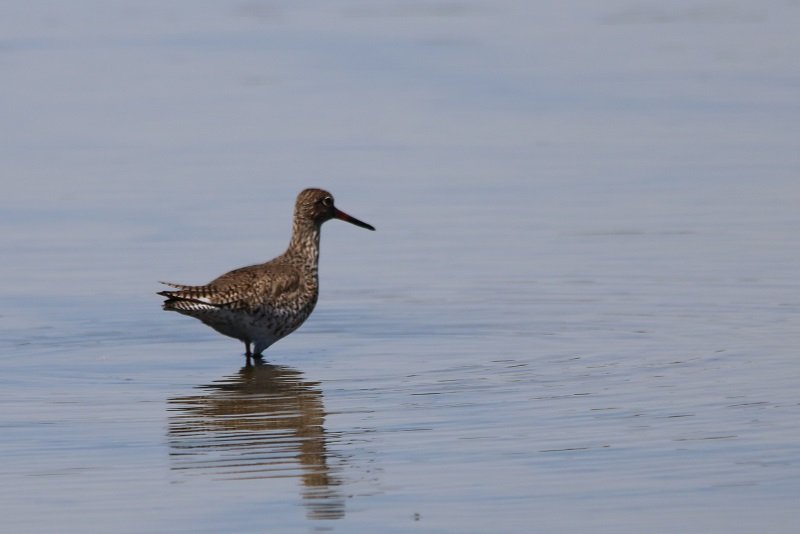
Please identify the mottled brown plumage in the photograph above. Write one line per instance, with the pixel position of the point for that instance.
(262, 303)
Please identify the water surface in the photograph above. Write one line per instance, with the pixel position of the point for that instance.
(579, 311)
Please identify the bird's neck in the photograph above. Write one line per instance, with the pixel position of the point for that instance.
(304, 246)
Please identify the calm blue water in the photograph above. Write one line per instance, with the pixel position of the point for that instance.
(579, 312)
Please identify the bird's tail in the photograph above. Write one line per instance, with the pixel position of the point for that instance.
(186, 298)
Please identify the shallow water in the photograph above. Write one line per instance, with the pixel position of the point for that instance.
(579, 311)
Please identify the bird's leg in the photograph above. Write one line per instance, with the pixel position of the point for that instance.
(247, 352)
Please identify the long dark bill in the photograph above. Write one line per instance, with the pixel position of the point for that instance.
(339, 214)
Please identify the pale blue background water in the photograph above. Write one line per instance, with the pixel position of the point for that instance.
(579, 312)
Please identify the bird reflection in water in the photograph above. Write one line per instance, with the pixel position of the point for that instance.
(264, 422)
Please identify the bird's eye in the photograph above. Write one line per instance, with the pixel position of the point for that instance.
(327, 201)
